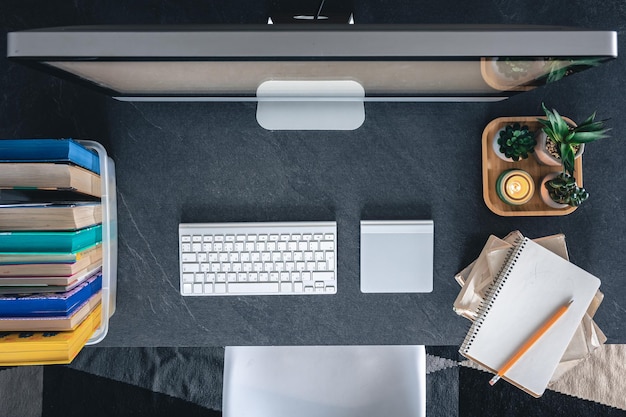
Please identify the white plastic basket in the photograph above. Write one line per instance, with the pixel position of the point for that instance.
(109, 239)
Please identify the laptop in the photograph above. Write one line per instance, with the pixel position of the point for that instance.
(324, 381)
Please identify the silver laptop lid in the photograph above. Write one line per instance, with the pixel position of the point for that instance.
(324, 381)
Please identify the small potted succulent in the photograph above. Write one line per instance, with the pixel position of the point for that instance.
(560, 190)
(560, 142)
(514, 142)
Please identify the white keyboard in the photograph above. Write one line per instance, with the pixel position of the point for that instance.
(258, 258)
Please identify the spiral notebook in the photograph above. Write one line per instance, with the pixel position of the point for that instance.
(532, 285)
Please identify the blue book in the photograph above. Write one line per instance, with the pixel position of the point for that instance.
(49, 150)
(49, 304)
(67, 241)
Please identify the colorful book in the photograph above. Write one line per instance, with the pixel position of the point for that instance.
(72, 216)
(49, 347)
(17, 258)
(68, 241)
(55, 323)
(89, 259)
(50, 176)
(34, 285)
(49, 305)
(49, 150)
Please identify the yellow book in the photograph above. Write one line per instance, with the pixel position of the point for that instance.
(46, 348)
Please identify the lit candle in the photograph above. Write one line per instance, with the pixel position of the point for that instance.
(515, 187)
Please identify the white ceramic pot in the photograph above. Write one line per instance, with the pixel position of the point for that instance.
(496, 147)
(544, 157)
(545, 196)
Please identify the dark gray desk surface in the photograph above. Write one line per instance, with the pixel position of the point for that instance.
(203, 162)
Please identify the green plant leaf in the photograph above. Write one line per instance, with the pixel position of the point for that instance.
(590, 127)
(567, 158)
(589, 119)
(587, 137)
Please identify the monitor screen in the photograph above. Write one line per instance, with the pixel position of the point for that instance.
(403, 62)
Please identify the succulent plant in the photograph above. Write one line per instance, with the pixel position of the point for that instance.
(516, 141)
(564, 190)
(567, 137)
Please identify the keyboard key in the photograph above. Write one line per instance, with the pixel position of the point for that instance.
(286, 287)
(220, 288)
(327, 245)
(191, 268)
(251, 288)
(323, 276)
(185, 238)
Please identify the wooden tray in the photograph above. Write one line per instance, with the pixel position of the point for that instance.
(493, 166)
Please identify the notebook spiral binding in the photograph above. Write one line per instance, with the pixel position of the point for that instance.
(492, 292)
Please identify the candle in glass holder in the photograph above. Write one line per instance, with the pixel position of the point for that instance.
(515, 187)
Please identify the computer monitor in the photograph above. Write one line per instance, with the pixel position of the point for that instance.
(312, 77)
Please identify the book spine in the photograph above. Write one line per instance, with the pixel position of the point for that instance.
(492, 293)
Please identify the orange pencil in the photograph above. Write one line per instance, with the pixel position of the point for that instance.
(531, 341)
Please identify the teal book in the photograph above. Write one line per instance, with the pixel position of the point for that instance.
(49, 150)
(68, 241)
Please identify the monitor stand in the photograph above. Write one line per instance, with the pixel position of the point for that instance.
(310, 105)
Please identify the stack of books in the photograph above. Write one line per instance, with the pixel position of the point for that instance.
(531, 310)
(50, 250)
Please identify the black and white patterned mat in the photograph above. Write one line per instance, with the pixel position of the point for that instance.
(188, 381)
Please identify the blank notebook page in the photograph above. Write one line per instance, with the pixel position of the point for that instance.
(529, 290)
